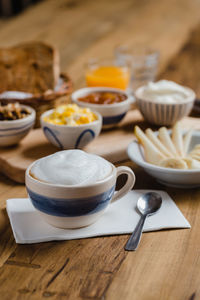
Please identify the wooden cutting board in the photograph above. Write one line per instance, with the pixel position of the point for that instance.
(111, 144)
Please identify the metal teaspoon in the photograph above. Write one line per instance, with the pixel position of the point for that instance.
(148, 204)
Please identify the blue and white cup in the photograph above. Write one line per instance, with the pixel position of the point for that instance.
(66, 206)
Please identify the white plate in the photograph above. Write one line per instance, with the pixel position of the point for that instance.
(167, 176)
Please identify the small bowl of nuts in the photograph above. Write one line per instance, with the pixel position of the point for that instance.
(16, 121)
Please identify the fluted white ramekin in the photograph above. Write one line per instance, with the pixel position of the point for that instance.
(164, 113)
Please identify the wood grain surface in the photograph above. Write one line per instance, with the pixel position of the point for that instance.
(167, 263)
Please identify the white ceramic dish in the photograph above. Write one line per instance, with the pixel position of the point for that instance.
(167, 176)
(77, 206)
(164, 114)
(11, 132)
(71, 137)
(112, 113)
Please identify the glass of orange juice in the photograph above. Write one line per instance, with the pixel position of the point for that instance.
(107, 73)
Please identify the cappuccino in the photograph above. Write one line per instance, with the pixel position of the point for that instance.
(71, 167)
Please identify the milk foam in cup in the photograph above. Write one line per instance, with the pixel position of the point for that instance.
(165, 91)
(71, 167)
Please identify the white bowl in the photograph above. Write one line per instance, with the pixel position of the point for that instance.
(167, 176)
(71, 137)
(164, 114)
(112, 113)
(12, 131)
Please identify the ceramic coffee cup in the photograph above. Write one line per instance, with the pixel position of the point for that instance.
(67, 206)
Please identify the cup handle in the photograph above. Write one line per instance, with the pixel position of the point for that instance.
(128, 185)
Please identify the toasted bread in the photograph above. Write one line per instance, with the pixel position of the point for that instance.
(30, 67)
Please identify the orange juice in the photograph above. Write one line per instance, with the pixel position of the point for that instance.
(109, 76)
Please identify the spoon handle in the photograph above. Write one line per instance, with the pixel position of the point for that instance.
(135, 237)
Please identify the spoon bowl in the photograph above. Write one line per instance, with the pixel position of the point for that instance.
(149, 203)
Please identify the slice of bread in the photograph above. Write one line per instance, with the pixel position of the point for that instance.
(31, 67)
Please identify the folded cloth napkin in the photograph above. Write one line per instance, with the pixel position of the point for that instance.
(120, 217)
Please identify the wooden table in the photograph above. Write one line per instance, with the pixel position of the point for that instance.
(167, 263)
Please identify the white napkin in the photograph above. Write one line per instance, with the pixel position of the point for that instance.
(121, 217)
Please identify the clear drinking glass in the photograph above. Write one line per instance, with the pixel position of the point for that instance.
(143, 62)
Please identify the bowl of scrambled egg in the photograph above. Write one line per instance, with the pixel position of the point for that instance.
(71, 127)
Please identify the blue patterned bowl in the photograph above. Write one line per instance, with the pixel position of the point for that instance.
(112, 113)
(71, 137)
(11, 132)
